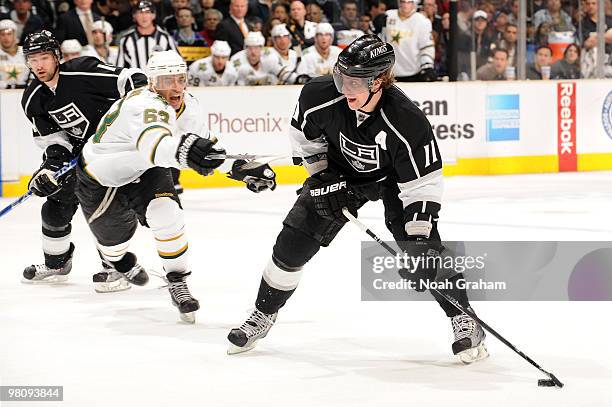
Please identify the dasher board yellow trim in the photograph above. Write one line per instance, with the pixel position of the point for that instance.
(291, 174)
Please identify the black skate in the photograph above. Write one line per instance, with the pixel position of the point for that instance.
(181, 297)
(254, 328)
(110, 280)
(469, 339)
(55, 269)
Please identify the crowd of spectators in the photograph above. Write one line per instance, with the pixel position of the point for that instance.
(290, 41)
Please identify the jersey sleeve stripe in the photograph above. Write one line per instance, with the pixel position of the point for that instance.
(414, 166)
(25, 109)
(148, 130)
(154, 150)
(314, 109)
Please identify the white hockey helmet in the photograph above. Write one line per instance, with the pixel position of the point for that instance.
(71, 47)
(254, 39)
(105, 27)
(280, 30)
(324, 28)
(8, 25)
(165, 63)
(221, 49)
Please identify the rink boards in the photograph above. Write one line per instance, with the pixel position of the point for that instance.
(481, 128)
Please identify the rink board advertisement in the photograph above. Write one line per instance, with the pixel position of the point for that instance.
(492, 271)
(481, 128)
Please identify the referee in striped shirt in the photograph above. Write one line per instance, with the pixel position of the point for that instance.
(137, 45)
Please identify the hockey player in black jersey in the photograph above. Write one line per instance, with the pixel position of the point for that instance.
(361, 139)
(64, 103)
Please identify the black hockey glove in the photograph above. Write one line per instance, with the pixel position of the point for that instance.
(43, 183)
(302, 79)
(428, 75)
(330, 194)
(257, 179)
(422, 259)
(192, 152)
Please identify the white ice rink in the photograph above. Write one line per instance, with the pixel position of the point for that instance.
(328, 348)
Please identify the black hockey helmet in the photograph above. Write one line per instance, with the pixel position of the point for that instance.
(144, 5)
(41, 41)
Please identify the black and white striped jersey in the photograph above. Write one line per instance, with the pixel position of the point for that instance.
(69, 114)
(394, 142)
(135, 48)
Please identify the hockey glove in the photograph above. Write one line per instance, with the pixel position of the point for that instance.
(257, 178)
(192, 152)
(330, 194)
(43, 183)
(428, 75)
(422, 258)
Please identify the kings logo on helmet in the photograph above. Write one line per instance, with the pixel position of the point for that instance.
(377, 51)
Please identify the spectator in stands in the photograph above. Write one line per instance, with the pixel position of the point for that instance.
(261, 9)
(138, 43)
(331, 9)
(350, 13)
(512, 9)
(13, 70)
(410, 35)
(254, 23)
(251, 69)
(319, 59)
(376, 8)
(496, 69)
(430, 10)
(441, 43)
(509, 42)
(588, 34)
(71, 49)
(314, 13)
(214, 70)
(280, 11)
(558, 19)
(483, 41)
(102, 34)
(569, 66)
(500, 20)
(267, 30)
(185, 35)
(302, 31)
(169, 22)
(212, 18)
(77, 23)
(365, 24)
(234, 29)
(26, 22)
(541, 34)
(281, 56)
(116, 12)
(543, 57)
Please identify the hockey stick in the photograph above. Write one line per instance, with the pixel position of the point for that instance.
(28, 194)
(243, 157)
(542, 382)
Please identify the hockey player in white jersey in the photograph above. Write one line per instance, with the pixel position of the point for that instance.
(320, 59)
(102, 35)
(251, 68)
(215, 69)
(410, 34)
(124, 177)
(282, 58)
(13, 70)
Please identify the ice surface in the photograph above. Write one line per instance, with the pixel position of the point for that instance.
(328, 348)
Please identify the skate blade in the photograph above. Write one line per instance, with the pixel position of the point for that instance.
(234, 350)
(59, 278)
(112, 287)
(470, 356)
(188, 317)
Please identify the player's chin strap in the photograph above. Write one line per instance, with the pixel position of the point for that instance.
(370, 97)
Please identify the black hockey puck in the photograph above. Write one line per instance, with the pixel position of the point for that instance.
(546, 383)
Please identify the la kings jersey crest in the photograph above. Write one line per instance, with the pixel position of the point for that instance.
(71, 119)
(363, 158)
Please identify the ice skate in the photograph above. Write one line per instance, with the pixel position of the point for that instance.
(55, 269)
(469, 339)
(110, 280)
(181, 297)
(136, 275)
(254, 328)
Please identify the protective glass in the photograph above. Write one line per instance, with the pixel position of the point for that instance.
(167, 82)
(350, 84)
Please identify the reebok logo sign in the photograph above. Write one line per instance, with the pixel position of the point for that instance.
(566, 126)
